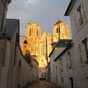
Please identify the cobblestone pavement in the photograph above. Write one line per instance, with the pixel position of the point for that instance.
(42, 84)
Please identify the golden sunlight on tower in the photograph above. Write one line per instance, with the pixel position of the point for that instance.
(60, 31)
(39, 45)
(46, 48)
(33, 35)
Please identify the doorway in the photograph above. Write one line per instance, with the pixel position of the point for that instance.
(71, 82)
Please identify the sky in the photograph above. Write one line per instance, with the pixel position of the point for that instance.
(44, 12)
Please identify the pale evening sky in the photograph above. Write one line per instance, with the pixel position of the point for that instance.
(44, 12)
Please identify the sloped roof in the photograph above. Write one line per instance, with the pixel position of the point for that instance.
(70, 6)
(10, 27)
(58, 22)
(62, 44)
(64, 51)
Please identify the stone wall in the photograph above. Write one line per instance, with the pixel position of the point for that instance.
(27, 74)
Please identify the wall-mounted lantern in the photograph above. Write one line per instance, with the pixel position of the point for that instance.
(25, 43)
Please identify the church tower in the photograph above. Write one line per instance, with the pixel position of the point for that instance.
(33, 35)
(60, 31)
(33, 30)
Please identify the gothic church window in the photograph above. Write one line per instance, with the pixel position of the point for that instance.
(30, 32)
(58, 30)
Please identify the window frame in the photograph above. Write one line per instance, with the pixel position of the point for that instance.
(69, 63)
(83, 59)
(83, 12)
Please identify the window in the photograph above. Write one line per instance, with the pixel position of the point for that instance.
(3, 48)
(15, 53)
(83, 49)
(62, 80)
(75, 21)
(58, 30)
(17, 38)
(20, 64)
(37, 32)
(81, 16)
(69, 60)
(71, 82)
(56, 67)
(61, 64)
(30, 32)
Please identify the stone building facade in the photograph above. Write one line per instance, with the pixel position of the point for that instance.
(70, 65)
(3, 11)
(24, 72)
(60, 31)
(9, 52)
(78, 13)
(16, 70)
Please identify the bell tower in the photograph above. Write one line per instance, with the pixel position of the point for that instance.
(33, 30)
(60, 31)
(33, 34)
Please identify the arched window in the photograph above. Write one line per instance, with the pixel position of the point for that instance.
(58, 30)
(30, 32)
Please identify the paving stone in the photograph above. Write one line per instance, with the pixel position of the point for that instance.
(42, 84)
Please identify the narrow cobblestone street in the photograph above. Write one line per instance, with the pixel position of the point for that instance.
(42, 84)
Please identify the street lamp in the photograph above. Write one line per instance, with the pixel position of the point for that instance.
(25, 43)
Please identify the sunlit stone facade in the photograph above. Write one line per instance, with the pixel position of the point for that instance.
(46, 48)
(33, 35)
(60, 31)
(38, 46)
